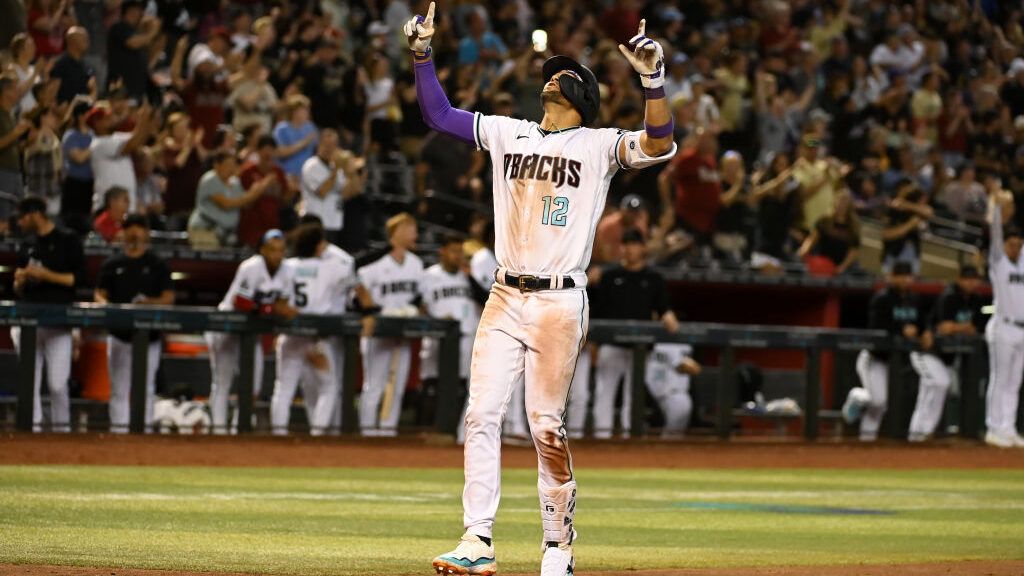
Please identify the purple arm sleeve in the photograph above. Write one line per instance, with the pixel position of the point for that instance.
(437, 111)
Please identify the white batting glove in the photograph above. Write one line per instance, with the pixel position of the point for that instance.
(646, 57)
(419, 29)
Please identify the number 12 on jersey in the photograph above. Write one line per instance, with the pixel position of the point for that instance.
(554, 217)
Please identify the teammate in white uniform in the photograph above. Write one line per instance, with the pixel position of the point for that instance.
(550, 181)
(957, 311)
(1005, 330)
(447, 292)
(318, 283)
(261, 286)
(669, 368)
(339, 306)
(393, 283)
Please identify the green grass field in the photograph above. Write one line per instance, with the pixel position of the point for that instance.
(393, 521)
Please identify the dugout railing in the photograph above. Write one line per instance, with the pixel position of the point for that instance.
(640, 336)
(728, 338)
(141, 320)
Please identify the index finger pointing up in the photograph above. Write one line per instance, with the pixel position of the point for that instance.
(430, 16)
(643, 25)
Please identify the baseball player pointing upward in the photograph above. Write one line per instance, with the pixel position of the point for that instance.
(550, 182)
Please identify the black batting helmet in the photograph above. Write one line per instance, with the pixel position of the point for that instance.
(582, 93)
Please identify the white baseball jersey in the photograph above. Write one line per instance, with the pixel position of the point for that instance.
(254, 282)
(550, 189)
(1007, 277)
(318, 283)
(448, 295)
(392, 284)
(662, 377)
(482, 266)
(346, 261)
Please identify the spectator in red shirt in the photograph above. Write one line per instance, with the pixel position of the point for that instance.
(183, 157)
(204, 94)
(698, 190)
(47, 22)
(115, 206)
(631, 215)
(621, 21)
(274, 208)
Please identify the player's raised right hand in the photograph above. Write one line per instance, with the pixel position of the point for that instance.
(419, 29)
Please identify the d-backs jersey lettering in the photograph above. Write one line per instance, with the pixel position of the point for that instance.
(447, 295)
(392, 284)
(254, 282)
(549, 190)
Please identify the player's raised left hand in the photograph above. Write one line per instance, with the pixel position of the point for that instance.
(647, 58)
(419, 29)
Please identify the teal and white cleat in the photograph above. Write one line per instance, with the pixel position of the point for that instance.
(471, 556)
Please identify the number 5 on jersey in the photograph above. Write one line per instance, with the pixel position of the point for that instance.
(554, 217)
(301, 299)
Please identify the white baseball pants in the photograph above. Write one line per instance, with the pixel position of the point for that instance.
(537, 337)
(673, 396)
(934, 381)
(311, 390)
(293, 365)
(53, 348)
(119, 365)
(874, 377)
(614, 365)
(385, 373)
(1006, 367)
(224, 357)
(579, 397)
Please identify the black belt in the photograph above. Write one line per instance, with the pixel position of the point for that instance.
(527, 283)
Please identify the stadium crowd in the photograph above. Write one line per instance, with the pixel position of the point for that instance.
(796, 121)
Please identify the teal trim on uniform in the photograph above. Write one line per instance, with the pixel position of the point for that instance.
(465, 563)
(476, 131)
(617, 161)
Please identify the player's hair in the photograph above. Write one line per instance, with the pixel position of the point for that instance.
(112, 193)
(220, 156)
(310, 218)
(397, 220)
(306, 239)
(450, 239)
(32, 204)
(18, 43)
(266, 140)
(295, 102)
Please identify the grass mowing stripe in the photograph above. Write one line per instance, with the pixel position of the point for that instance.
(373, 521)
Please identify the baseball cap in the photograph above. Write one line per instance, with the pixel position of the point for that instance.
(679, 58)
(135, 220)
(969, 271)
(98, 112)
(631, 202)
(221, 31)
(902, 268)
(632, 236)
(272, 234)
(31, 204)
